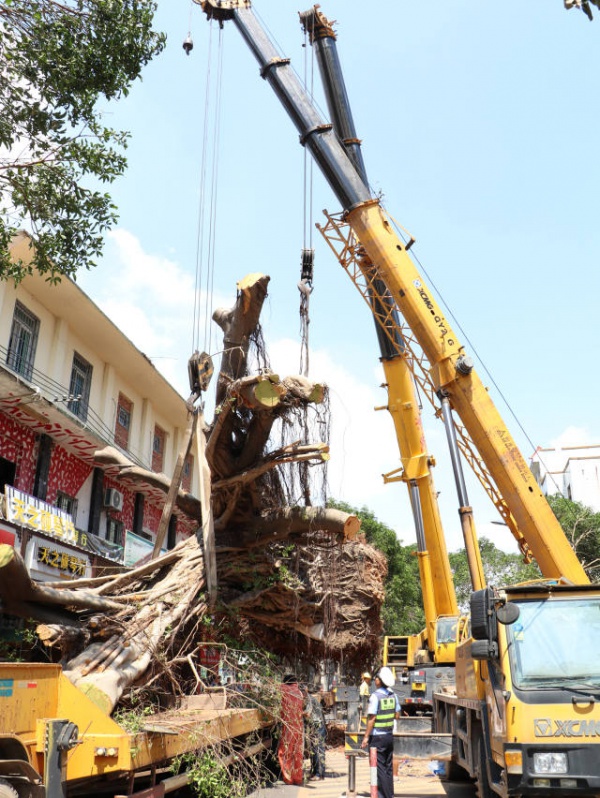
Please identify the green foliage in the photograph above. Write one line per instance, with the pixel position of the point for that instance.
(402, 611)
(582, 528)
(58, 60)
(581, 525)
(209, 778)
(220, 770)
(132, 720)
(499, 567)
(18, 640)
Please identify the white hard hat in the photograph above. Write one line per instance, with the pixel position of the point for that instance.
(387, 677)
(366, 675)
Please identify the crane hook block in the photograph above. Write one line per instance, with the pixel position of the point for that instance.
(308, 261)
(200, 371)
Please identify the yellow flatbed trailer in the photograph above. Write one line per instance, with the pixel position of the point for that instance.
(55, 742)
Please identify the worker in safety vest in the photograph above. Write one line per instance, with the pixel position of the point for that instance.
(383, 709)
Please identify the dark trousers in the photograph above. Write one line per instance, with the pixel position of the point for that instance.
(317, 755)
(384, 743)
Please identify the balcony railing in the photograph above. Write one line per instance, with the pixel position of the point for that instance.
(58, 395)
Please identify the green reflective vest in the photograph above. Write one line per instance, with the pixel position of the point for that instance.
(386, 709)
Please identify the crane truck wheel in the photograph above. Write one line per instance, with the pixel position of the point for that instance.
(480, 605)
(6, 790)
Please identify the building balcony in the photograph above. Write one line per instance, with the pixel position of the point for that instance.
(37, 398)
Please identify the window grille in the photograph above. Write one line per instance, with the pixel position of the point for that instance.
(23, 341)
(79, 387)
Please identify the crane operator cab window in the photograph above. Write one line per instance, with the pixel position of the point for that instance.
(446, 630)
(544, 644)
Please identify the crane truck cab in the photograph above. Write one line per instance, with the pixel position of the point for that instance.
(422, 669)
(525, 719)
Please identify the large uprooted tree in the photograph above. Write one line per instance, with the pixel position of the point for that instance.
(291, 578)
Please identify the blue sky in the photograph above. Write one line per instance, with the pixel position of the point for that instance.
(479, 127)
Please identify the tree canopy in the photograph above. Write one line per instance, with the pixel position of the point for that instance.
(581, 525)
(58, 60)
(500, 568)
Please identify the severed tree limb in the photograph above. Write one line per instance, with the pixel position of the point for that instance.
(104, 670)
(251, 408)
(186, 502)
(280, 524)
(67, 638)
(113, 583)
(238, 324)
(16, 585)
(252, 474)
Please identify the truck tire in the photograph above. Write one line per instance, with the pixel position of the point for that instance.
(479, 605)
(7, 790)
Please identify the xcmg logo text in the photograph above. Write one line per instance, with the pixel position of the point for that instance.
(546, 727)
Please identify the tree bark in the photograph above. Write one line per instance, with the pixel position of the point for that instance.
(16, 586)
(109, 456)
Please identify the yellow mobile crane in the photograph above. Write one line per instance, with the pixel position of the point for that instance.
(523, 717)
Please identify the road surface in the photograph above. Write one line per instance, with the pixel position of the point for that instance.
(414, 780)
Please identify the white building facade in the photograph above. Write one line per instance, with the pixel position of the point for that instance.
(572, 471)
(86, 421)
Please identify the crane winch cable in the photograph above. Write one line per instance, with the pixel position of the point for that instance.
(213, 200)
(201, 202)
(207, 201)
(305, 285)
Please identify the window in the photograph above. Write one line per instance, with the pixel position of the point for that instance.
(114, 531)
(158, 449)
(23, 341)
(123, 422)
(545, 644)
(79, 387)
(124, 418)
(66, 503)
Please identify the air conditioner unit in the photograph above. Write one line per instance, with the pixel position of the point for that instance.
(113, 499)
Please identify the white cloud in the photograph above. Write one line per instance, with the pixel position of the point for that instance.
(135, 323)
(572, 436)
(163, 280)
(151, 299)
